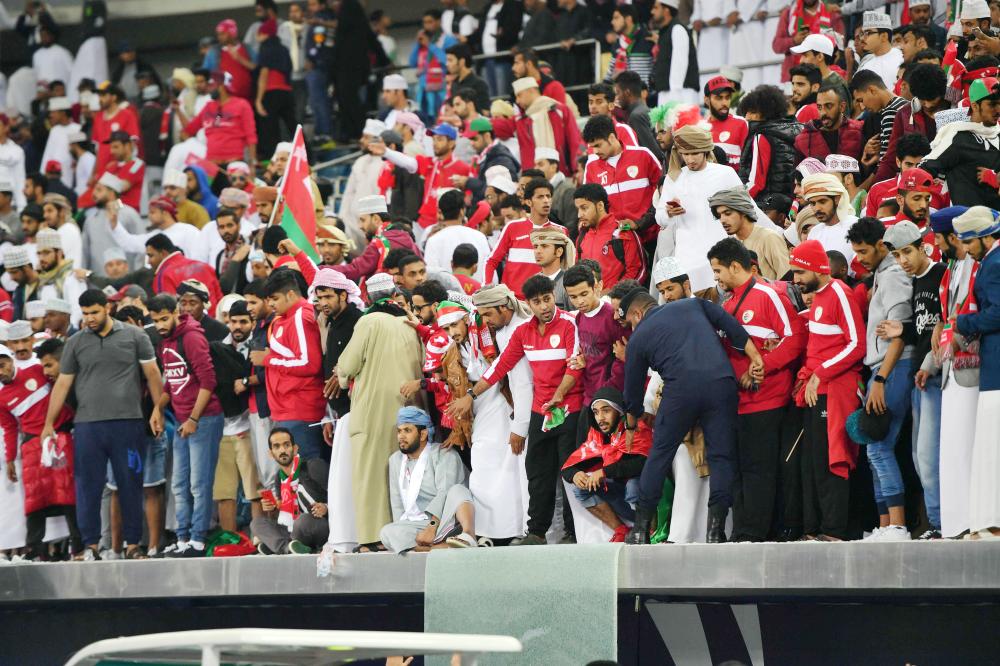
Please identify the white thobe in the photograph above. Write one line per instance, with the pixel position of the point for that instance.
(52, 63)
(834, 238)
(697, 230)
(72, 242)
(521, 382)
(82, 171)
(57, 148)
(210, 243)
(441, 246)
(362, 182)
(12, 169)
(885, 65)
(186, 237)
(91, 63)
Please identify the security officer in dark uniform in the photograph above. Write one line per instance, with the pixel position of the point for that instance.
(680, 341)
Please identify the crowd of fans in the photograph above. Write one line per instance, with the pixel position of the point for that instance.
(517, 316)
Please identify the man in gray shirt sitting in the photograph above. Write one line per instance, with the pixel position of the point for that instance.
(102, 364)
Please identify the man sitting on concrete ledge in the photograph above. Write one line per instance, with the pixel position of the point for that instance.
(294, 519)
(431, 506)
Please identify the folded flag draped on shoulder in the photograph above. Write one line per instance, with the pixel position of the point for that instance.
(298, 216)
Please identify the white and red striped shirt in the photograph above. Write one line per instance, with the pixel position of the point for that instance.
(548, 352)
(23, 406)
(730, 135)
(630, 179)
(515, 249)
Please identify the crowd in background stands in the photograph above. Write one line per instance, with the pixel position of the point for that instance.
(516, 316)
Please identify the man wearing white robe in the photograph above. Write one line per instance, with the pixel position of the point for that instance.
(57, 146)
(959, 391)
(501, 310)
(684, 212)
(11, 162)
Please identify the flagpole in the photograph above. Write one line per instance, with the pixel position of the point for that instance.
(284, 181)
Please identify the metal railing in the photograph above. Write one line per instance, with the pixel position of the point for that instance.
(552, 47)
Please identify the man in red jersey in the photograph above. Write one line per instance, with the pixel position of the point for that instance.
(116, 115)
(729, 131)
(514, 248)
(828, 387)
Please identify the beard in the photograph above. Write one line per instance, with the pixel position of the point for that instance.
(409, 447)
(718, 115)
(909, 212)
(810, 287)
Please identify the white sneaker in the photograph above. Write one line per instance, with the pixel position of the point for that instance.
(109, 555)
(894, 533)
(875, 535)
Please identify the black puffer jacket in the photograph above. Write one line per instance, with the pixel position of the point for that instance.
(781, 135)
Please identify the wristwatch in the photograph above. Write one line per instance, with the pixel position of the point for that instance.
(878, 379)
(470, 393)
(246, 381)
(423, 384)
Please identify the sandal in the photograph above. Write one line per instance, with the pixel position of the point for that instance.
(134, 553)
(376, 547)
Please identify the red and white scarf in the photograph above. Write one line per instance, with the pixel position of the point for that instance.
(289, 501)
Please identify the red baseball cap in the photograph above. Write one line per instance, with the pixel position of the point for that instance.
(811, 256)
(916, 180)
(717, 83)
(53, 166)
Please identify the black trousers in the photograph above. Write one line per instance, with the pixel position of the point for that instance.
(280, 107)
(790, 468)
(547, 451)
(350, 107)
(825, 496)
(35, 523)
(755, 477)
(712, 405)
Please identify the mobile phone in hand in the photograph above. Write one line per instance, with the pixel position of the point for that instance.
(268, 494)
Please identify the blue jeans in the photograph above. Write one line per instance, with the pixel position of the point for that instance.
(309, 440)
(195, 458)
(622, 497)
(122, 443)
(927, 445)
(318, 86)
(882, 455)
(497, 73)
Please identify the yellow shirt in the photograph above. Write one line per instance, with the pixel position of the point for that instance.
(192, 213)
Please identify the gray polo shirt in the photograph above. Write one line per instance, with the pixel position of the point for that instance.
(108, 383)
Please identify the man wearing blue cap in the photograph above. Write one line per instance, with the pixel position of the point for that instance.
(959, 375)
(436, 171)
(431, 506)
(979, 230)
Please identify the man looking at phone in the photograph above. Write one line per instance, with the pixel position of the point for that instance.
(294, 519)
(686, 195)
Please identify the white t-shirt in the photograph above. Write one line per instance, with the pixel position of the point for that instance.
(441, 246)
(886, 66)
(835, 237)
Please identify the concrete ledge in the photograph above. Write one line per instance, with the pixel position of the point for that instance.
(945, 568)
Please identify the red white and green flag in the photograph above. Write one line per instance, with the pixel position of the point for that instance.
(295, 199)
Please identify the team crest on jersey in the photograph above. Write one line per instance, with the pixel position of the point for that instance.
(747, 316)
(31, 384)
(115, 127)
(819, 313)
(632, 171)
(723, 136)
(554, 340)
(928, 249)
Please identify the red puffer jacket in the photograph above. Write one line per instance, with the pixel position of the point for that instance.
(810, 143)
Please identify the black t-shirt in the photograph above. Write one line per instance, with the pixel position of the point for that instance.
(926, 310)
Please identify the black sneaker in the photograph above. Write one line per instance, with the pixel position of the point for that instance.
(191, 551)
(930, 535)
(263, 549)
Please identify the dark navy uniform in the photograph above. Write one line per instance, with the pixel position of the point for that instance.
(680, 341)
